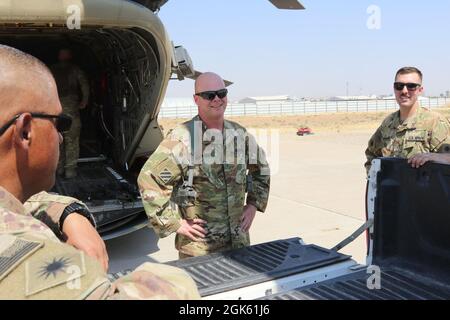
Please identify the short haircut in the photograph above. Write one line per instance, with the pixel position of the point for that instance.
(21, 70)
(408, 70)
(14, 58)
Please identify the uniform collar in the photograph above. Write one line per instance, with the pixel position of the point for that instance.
(408, 124)
(9, 203)
(226, 124)
(197, 118)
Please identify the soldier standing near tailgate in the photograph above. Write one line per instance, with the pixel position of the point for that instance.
(34, 264)
(213, 214)
(73, 91)
(412, 130)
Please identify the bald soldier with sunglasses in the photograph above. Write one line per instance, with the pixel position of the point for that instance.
(412, 130)
(34, 262)
(195, 183)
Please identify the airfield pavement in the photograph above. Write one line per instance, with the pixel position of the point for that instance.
(318, 193)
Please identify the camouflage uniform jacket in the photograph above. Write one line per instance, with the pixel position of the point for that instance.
(424, 132)
(220, 187)
(34, 264)
(48, 208)
(73, 86)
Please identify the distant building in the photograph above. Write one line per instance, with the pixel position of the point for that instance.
(266, 100)
(177, 102)
(352, 98)
(447, 94)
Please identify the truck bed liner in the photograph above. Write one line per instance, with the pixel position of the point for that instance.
(395, 285)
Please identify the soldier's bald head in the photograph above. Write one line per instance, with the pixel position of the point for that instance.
(26, 84)
(209, 81)
(29, 148)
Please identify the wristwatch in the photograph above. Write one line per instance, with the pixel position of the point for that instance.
(77, 208)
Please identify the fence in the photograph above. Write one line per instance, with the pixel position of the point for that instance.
(301, 107)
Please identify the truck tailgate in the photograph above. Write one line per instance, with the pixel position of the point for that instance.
(230, 270)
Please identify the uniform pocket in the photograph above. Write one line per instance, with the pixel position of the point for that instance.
(387, 143)
(241, 173)
(211, 171)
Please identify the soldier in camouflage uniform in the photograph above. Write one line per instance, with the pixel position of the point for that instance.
(78, 230)
(210, 213)
(412, 130)
(34, 264)
(73, 90)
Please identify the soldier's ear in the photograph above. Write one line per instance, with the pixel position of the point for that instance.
(421, 90)
(196, 99)
(22, 132)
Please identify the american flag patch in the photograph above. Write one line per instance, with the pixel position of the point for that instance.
(13, 251)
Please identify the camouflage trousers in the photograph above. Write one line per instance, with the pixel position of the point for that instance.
(70, 148)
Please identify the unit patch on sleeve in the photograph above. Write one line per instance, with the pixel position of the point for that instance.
(53, 270)
(165, 175)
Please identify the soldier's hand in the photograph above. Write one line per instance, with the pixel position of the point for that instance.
(193, 229)
(420, 159)
(247, 217)
(83, 236)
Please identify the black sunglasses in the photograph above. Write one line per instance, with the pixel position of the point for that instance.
(63, 122)
(399, 86)
(210, 95)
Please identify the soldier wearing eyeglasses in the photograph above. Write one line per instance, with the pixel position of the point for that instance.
(195, 184)
(34, 262)
(413, 130)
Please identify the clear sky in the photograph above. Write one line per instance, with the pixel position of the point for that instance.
(315, 52)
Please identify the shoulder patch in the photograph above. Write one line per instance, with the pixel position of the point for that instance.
(13, 251)
(165, 175)
(53, 270)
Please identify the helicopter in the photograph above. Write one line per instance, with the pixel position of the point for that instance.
(124, 48)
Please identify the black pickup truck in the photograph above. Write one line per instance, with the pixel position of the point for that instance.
(408, 254)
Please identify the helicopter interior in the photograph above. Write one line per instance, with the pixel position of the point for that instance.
(122, 68)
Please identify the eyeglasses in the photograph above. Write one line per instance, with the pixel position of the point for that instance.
(210, 95)
(63, 122)
(399, 86)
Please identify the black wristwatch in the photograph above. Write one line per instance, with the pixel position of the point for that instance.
(76, 208)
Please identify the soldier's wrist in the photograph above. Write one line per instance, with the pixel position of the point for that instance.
(168, 228)
(175, 225)
(254, 204)
(78, 209)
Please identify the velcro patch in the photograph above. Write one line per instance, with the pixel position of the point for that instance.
(53, 270)
(416, 139)
(13, 251)
(165, 175)
(417, 136)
